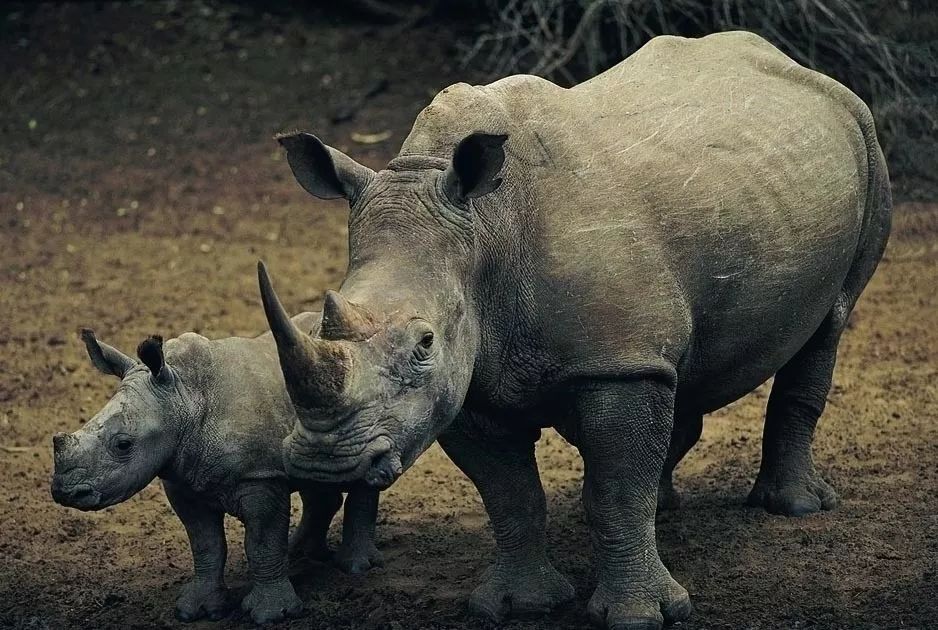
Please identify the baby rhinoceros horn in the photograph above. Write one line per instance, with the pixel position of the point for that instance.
(315, 370)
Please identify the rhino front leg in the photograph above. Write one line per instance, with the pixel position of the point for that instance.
(358, 552)
(205, 595)
(264, 508)
(521, 581)
(319, 508)
(623, 432)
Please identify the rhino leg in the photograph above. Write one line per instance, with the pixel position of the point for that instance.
(624, 428)
(521, 581)
(264, 508)
(788, 482)
(309, 539)
(205, 595)
(687, 428)
(358, 553)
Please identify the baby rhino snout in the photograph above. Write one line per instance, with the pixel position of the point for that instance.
(64, 451)
(63, 442)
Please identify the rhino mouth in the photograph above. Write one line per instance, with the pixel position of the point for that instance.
(377, 463)
(81, 496)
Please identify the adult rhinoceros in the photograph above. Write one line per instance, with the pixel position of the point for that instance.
(613, 260)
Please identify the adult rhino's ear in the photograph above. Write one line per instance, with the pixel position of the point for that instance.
(477, 160)
(323, 171)
(107, 359)
(150, 351)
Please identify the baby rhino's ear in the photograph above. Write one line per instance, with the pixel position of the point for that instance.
(150, 351)
(107, 359)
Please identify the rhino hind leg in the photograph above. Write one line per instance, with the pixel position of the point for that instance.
(687, 428)
(788, 483)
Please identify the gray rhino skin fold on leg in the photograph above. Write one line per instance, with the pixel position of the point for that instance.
(209, 417)
(614, 260)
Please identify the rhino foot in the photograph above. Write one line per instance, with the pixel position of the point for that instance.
(356, 559)
(202, 600)
(519, 590)
(615, 610)
(269, 603)
(798, 497)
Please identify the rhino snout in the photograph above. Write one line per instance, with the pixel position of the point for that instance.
(70, 490)
(375, 462)
(384, 470)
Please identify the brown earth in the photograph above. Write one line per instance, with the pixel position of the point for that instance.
(138, 186)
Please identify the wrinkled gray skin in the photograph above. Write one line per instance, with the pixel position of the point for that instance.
(614, 260)
(209, 419)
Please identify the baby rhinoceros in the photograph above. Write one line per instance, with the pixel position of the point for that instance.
(209, 419)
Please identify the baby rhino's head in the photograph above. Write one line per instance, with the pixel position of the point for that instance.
(126, 445)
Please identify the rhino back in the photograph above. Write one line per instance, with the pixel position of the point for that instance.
(699, 205)
(720, 213)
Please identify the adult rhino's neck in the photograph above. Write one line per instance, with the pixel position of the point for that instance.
(503, 287)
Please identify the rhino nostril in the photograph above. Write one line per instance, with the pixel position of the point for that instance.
(81, 492)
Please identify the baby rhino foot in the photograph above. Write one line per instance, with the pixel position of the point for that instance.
(796, 497)
(519, 589)
(269, 603)
(200, 600)
(356, 559)
(624, 609)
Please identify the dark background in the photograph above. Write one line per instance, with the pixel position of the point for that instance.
(139, 183)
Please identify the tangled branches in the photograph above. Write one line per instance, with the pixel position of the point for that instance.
(570, 40)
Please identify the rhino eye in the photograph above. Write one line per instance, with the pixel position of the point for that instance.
(427, 340)
(420, 359)
(121, 445)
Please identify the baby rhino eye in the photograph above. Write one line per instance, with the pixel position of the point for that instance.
(427, 340)
(122, 444)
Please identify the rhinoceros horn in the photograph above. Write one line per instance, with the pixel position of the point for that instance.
(314, 370)
(342, 319)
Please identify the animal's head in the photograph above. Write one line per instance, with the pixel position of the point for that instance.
(395, 353)
(126, 444)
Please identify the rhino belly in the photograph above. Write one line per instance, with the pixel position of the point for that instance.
(746, 327)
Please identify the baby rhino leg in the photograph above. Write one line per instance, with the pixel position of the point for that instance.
(264, 508)
(205, 595)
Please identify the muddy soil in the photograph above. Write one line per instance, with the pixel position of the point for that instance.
(139, 185)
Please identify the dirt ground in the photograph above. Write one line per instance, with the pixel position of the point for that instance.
(139, 185)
